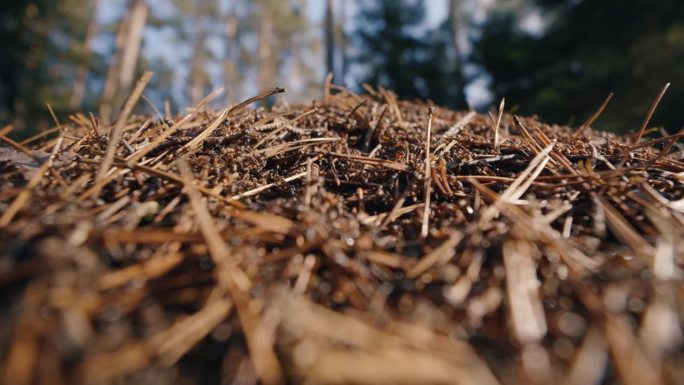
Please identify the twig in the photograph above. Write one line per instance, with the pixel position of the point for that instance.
(442, 254)
(265, 187)
(428, 180)
(458, 126)
(18, 147)
(356, 108)
(135, 158)
(651, 110)
(25, 194)
(39, 135)
(117, 131)
(7, 129)
(21, 199)
(372, 161)
(373, 131)
(498, 123)
(193, 144)
(291, 146)
(284, 126)
(454, 130)
(593, 118)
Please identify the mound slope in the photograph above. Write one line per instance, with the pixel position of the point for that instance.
(356, 239)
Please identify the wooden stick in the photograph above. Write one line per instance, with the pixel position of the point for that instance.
(194, 144)
(21, 199)
(370, 160)
(593, 118)
(428, 180)
(18, 146)
(265, 187)
(117, 131)
(498, 123)
(651, 110)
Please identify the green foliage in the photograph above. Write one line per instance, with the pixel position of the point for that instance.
(589, 49)
(42, 45)
(21, 24)
(396, 52)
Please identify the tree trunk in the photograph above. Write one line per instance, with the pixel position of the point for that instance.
(133, 42)
(83, 69)
(198, 74)
(265, 49)
(342, 43)
(455, 27)
(109, 89)
(329, 38)
(453, 20)
(229, 62)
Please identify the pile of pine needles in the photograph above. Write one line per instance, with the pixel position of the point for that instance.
(356, 239)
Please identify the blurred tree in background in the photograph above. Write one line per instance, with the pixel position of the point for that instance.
(587, 50)
(43, 42)
(398, 55)
(84, 55)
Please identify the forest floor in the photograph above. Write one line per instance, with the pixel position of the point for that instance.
(355, 239)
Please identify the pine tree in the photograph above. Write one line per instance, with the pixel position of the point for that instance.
(43, 49)
(587, 50)
(84, 65)
(396, 56)
(122, 68)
